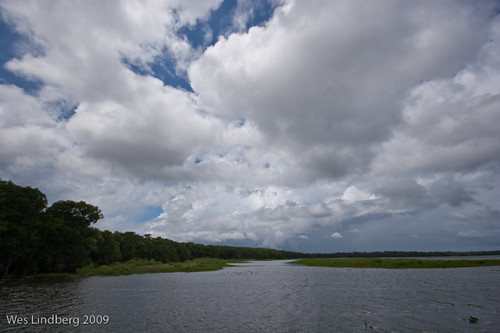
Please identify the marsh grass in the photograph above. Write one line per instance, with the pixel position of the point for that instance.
(141, 266)
(394, 263)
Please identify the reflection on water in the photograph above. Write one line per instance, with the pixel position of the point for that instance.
(264, 297)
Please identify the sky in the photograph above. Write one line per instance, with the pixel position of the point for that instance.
(311, 126)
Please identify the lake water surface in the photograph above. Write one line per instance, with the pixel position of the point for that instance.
(272, 296)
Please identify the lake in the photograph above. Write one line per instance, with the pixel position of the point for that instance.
(267, 296)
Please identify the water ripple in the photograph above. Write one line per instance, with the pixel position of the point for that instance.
(266, 297)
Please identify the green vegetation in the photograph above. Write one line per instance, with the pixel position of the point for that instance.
(401, 254)
(141, 266)
(37, 239)
(394, 263)
(40, 240)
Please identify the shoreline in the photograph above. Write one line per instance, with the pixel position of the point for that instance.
(134, 266)
(393, 263)
(145, 266)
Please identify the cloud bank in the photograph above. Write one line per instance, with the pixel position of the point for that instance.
(326, 126)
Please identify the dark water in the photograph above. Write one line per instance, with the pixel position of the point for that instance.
(263, 297)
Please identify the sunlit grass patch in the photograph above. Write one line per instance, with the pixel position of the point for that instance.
(141, 266)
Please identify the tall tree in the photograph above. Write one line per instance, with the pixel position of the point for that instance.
(20, 209)
(77, 240)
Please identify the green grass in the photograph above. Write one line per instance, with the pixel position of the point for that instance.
(394, 263)
(139, 266)
(46, 276)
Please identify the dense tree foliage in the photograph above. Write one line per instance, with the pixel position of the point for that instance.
(35, 238)
(20, 219)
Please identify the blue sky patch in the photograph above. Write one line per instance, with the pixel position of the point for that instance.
(163, 69)
(220, 22)
(148, 213)
(142, 214)
(9, 40)
(263, 11)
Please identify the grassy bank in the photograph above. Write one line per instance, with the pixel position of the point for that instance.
(138, 266)
(394, 263)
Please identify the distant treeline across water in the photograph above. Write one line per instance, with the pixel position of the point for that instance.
(35, 238)
(404, 254)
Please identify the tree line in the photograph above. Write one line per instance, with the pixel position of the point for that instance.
(401, 254)
(35, 238)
